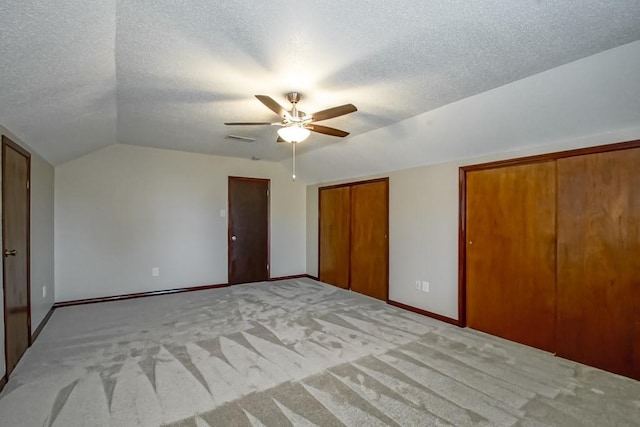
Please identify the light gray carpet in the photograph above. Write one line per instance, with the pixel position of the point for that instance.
(294, 352)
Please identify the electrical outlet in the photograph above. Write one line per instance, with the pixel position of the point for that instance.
(417, 284)
(155, 271)
(44, 292)
(425, 286)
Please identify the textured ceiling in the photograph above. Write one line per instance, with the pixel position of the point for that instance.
(76, 75)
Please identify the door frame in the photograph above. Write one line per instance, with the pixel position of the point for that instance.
(353, 184)
(230, 221)
(6, 142)
(462, 203)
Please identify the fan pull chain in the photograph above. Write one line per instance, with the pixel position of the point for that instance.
(294, 160)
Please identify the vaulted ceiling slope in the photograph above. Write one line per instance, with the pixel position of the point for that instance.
(591, 101)
(76, 75)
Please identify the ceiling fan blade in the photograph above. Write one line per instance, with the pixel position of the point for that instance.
(327, 130)
(273, 105)
(248, 124)
(240, 138)
(330, 113)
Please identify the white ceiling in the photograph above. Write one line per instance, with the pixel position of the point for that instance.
(77, 75)
(591, 101)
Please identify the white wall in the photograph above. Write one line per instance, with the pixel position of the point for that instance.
(42, 245)
(312, 230)
(125, 209)
(42, 239)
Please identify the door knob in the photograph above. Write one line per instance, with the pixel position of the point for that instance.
(10, 252)
(232, 238)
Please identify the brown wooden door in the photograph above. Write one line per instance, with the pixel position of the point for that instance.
(511, 253)
(15, 230)
(248, 231)
(369, 242)
(599, 260)
(334, 235)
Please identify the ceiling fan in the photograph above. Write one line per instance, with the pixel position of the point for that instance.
(295, 125)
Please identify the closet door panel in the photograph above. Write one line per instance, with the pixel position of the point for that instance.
(511, 253)
(334, 236)
(599, 260)
(369, 239)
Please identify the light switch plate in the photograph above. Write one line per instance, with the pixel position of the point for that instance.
(425, 286)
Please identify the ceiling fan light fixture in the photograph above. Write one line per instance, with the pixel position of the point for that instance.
(294, 133)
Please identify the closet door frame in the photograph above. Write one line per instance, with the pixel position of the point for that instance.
(352, 184)
(462, 216)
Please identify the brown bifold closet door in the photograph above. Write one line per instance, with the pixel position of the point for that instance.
(248, 230)
(599, 260)
(511, 252)
(334, 235)
(369, 238)
(15, 247)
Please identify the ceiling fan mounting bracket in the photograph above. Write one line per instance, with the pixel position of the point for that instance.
(293, 97)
